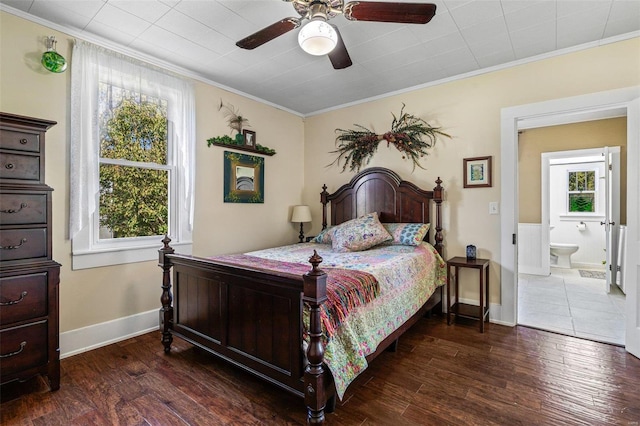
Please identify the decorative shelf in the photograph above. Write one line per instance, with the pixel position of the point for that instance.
(242, 148)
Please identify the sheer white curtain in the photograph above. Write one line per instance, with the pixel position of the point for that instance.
(92, 64)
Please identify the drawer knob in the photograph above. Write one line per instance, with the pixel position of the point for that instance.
(22, 345)
(23, 141)
(22, 241)
(8, 166)
(13, 302)
(22, 206)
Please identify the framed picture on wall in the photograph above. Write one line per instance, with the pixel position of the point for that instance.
(477, 172)
(243, 178)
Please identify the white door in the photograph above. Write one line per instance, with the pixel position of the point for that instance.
(611, 221)
(632, 338)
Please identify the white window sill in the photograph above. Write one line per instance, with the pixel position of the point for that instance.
(594, 217)
(117, 256)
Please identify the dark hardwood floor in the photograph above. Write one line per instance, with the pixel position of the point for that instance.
(440, 375)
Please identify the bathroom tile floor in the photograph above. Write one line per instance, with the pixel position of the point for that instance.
(566, 303)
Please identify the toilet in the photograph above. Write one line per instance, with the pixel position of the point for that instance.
(563, 252)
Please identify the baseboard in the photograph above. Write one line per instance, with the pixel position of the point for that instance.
(579, 265)
(495, 312)
(84, 339)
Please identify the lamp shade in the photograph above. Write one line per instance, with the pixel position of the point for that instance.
(317, 37)
(301, 214)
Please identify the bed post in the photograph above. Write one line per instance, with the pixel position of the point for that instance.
(324, 201)
(437, 197)
(315, 294)
(166, 312)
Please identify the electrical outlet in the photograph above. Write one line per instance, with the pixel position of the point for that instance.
(493, 207)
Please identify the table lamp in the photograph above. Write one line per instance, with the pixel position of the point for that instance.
(301, 214)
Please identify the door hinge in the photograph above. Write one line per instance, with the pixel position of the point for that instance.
(513, 239)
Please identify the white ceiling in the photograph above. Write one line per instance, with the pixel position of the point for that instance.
(464, 37)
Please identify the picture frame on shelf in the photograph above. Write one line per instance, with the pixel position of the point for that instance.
(477, 172)
(249, 138)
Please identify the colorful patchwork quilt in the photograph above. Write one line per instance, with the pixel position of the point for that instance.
(347, 289)
(406, 277)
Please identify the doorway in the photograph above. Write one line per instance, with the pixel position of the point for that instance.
(563, 284)
(584, 200)
(599, 105)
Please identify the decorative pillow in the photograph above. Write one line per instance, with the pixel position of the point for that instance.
(324, 237)
(407, 234)
(359, 234)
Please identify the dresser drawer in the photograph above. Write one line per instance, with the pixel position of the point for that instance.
(23, 209)
(20, 141)
(19, 167)
(23, 347)
(18, 244)
(23, 297)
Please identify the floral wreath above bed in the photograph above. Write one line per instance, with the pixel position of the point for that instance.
(356, 147)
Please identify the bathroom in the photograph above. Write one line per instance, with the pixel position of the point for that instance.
(569, 293)
(576, 209)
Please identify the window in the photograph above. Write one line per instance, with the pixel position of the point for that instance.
(133, 165)
(131, 160)
(582, 191)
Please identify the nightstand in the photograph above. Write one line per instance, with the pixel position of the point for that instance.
(465, 310)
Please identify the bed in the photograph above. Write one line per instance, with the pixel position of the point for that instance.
(274, 315)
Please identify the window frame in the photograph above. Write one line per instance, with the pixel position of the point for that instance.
(594, 191)
(91, 251)
(88, 250)
(597, 213)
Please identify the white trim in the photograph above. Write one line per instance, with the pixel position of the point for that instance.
(495, 310)
(86, 259)
(583, 265)
(584, 217)
(632, 239)
(569, 118)
(95, 336)
(601, 102)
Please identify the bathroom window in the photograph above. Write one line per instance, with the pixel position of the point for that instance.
(582, 191)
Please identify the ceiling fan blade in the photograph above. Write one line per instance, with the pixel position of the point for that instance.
(404, 13)
(269, 33)
(339, 56)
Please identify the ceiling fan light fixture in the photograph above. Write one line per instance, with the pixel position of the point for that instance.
(317, 37)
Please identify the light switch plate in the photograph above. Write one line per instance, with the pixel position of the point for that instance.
(493, 207)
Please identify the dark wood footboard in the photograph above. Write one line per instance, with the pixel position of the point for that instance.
(250, 319)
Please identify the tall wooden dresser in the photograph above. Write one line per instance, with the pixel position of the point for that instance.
(29, 277)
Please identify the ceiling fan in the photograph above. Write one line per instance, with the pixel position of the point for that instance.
(318, 37)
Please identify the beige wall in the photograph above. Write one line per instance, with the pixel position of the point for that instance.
(533, 142)
(93, 296)
(469, 110)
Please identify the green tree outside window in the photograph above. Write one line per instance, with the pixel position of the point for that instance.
(134, 177)
(582, 191)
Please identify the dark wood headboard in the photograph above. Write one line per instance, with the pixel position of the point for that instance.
(381, 190)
